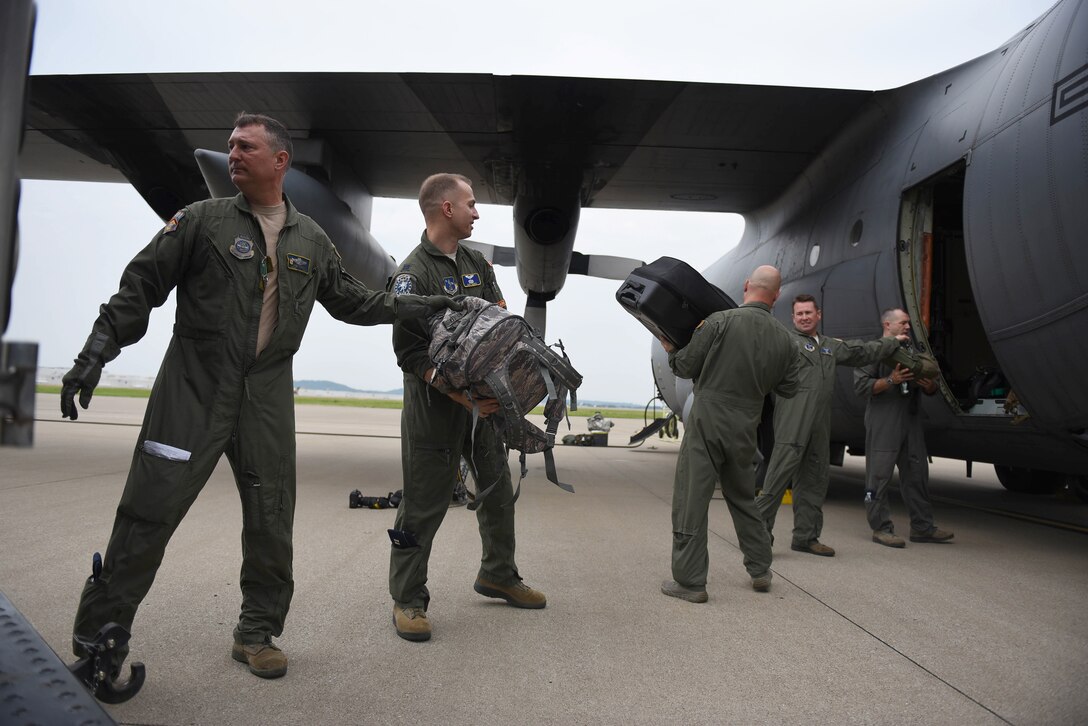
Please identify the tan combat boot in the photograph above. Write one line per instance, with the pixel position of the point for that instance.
(517, 594)
(411, 623)
(264, 659)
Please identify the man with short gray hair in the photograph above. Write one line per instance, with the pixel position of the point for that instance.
(894, 438)
(225, 385)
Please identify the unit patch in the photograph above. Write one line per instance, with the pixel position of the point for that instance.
(242, 248)
(810, 347)
(174, 221)
(449, 284)
(298, 263)
(472, 280)
(403, 285)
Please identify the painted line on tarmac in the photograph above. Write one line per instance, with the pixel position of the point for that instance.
(891, 647)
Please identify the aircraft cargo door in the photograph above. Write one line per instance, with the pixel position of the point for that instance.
(937, 289)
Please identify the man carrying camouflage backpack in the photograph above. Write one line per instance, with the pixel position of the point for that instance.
(435, 425)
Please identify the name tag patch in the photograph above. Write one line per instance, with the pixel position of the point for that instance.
(298, 263)
(242, 248)
(472, 280)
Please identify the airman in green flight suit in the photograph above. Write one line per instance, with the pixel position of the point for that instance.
(247, 270)
(735, 357)
(437, 422)
(895, 439)
(802, 424)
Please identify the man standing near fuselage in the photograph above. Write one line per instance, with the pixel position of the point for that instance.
(437, 422)
(735, 357)
(802, 425)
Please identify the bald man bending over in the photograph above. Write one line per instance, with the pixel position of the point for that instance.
(736, 357)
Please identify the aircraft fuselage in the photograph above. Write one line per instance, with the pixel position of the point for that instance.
(961, 199)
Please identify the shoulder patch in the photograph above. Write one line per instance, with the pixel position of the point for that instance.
(174, 221)
(404, 284)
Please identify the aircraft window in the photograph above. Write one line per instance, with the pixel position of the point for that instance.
(813, 255)
(855, 233)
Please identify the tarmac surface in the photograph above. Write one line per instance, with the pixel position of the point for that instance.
(987, 630)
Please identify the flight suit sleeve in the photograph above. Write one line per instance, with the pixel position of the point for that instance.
(687, 362)
(349, 300)
(791, 382)
(862, 352)
(922, 365)
(492, 293)
(146, 283)
(411, 339)
(864, 377)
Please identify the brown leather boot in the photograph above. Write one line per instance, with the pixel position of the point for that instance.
(814, 547)
(411, 623)
(517, 594)
(264, 659)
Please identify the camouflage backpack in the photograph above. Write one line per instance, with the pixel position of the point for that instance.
(489, 352)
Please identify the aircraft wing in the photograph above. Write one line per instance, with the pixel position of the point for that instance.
(638, 144)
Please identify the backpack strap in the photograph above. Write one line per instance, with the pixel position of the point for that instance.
(475, 503)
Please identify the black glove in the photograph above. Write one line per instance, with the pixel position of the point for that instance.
(84, 375)
(422, 306)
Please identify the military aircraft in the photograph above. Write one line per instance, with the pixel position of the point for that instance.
(958, 198)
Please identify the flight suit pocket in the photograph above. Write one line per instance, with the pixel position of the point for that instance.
(263, 498)
(432, 475)
(158, 485)
(302, 293)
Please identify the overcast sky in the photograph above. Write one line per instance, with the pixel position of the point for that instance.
(76, 238)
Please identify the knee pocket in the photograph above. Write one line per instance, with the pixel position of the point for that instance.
(157, 489)
(433, 471)
(264, 498)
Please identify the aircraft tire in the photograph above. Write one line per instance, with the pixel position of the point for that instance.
(1029, 481)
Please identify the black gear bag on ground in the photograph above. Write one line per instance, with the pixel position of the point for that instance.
(670, 298)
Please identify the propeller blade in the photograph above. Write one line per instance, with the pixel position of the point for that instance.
(496, 255)
(606, 266)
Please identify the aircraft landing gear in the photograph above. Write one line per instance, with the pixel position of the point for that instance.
(1039, 481)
